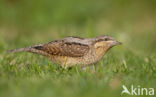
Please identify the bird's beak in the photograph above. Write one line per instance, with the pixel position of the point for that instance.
(118, 43)
(114, 43)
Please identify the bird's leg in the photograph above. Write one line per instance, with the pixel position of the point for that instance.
(92, 68)
(65, 65)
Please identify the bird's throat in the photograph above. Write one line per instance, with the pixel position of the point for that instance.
(100, 52)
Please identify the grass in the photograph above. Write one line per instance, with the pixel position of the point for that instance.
(29, 75)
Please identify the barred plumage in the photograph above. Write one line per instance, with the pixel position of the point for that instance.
(73, 50)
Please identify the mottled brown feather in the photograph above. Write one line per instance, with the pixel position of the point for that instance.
(62, 48)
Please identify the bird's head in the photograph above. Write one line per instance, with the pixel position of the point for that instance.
(105, 42)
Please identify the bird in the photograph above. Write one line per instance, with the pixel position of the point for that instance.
(71, 51)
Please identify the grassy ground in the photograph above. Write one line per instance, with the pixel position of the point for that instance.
(24, 23)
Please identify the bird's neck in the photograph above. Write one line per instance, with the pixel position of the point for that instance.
(100, 52)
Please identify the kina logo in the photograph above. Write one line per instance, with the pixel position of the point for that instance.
(137, 90)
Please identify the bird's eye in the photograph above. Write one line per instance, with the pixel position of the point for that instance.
(106, 39)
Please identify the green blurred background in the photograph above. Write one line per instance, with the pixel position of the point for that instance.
(23, 21)
(28, 22)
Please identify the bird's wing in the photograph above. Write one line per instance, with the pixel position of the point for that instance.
(65, 48)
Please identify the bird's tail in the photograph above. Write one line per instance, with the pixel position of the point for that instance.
(38, 49)
(29, 49)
